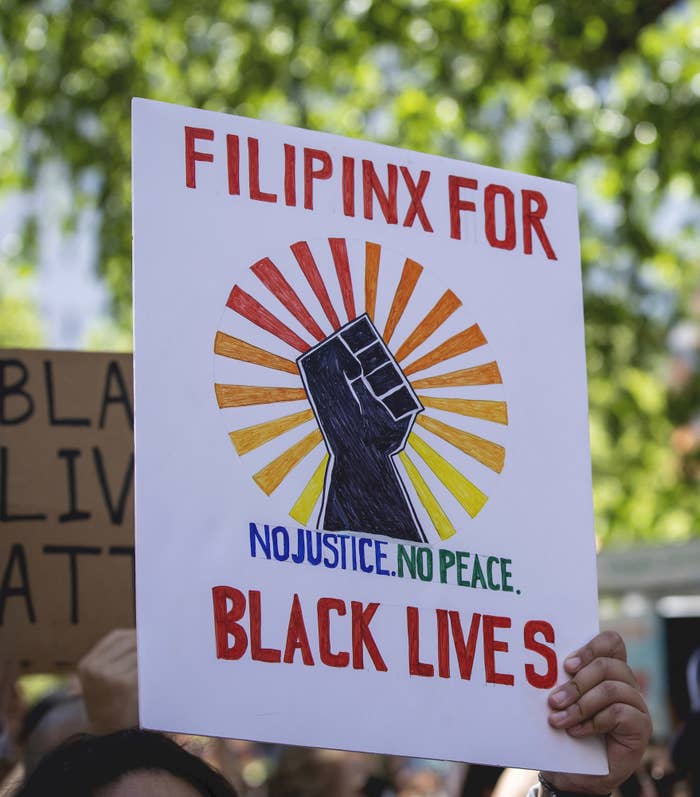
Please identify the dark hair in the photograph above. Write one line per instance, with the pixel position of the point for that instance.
(305, 772)
(84, 764)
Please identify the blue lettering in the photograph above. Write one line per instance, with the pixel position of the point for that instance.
(298, 557)
(343, 554)
(380, 556)
(331, 547)
(313, 558)
(256, 539)
(277, 533)
(364, 542)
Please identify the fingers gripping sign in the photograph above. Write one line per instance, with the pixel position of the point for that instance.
(601, 698)
(365, 409)
(108, 677)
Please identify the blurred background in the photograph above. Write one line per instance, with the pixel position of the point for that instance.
(603, 93)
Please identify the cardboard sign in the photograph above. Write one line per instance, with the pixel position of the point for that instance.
(363, 502)
(66, 503)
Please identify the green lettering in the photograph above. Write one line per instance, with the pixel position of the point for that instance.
(447, 559)
(462, 566)
(490, 562)
(478, 574)
(425, 564)
(410, 561)
(505, 575)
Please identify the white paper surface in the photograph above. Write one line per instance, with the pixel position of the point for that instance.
(494, 458)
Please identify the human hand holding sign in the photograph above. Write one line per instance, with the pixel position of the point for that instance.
(602, 697)
(365, 408)
(108, 677)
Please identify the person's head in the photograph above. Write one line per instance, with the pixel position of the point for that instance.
(53, 719)
(130, 763)
(306, 772)
(314, 772)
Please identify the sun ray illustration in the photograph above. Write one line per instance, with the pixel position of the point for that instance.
(490, 454)
(409, 277)
(443, 309)
(248, 395)
(430, 473)
(462, 342)
(304, 505)
(274, 473)
(244, 304)
(439, 519)
(253, 437)
(495, 411)
(268, 273)
(486, 374)
(468, 494)
(372, 254)
(237, 349)
(339, 250)
(306, 262)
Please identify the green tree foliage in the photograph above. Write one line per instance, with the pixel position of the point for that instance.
(603, 93)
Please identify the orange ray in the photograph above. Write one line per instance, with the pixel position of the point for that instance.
(236, 349)
(409, 278)
(445, 306)
(462, 342)
(496, 411)
(272, 475)
(253, 437)
(486, 374)
(488, 453)
(372, 253)
(247, 395)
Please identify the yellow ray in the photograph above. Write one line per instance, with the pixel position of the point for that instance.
(460, 343)
(490, 454)
(409, 278)
(442, 523)
(253, 437)
(468, 494)
(372, 253)
(486, 374)
(443, 309)
(304, 505)
(496, 411)
(273, 474)
(236, 349)
(246, 395)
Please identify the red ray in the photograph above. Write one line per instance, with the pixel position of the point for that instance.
(308, 265)
(244, 304)
(339, 250)
(271, 277)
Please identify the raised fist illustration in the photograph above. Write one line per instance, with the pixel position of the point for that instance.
(365, 409)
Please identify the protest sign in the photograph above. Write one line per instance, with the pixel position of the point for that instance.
(363, 493)
(66, 503)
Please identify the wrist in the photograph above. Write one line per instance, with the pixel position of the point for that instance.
(548, 789)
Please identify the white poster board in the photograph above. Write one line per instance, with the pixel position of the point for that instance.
(363, 492)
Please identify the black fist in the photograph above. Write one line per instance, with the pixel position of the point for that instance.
(365, 409)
